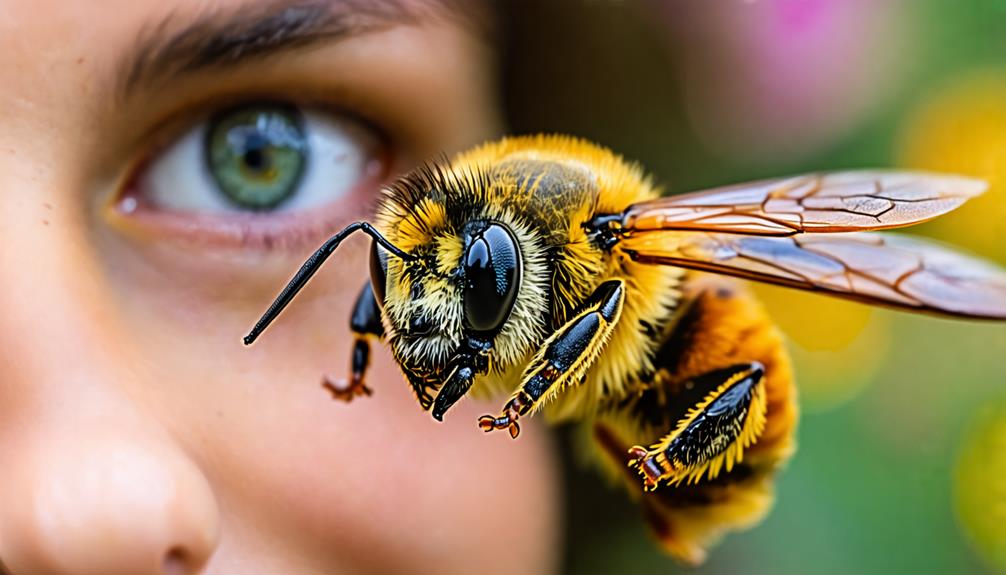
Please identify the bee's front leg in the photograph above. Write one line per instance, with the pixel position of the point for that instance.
(454, 389)
(365, 325)
(564, 357)
(713, 434)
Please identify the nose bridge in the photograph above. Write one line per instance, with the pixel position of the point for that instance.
(59, 335)
(91, 482)
(53, 315)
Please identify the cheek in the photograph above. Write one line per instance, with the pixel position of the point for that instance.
(380, 474)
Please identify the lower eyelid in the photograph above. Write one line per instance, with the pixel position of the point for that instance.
(283, 231)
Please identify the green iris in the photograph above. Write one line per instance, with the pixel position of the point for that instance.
(257, 154)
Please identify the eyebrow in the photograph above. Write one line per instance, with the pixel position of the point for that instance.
(221, 39)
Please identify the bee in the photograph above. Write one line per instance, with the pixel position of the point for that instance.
(551, 270)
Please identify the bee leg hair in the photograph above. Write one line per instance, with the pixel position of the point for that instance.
(564, 358)
(714, 433)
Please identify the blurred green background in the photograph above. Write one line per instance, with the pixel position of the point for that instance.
(901, 466)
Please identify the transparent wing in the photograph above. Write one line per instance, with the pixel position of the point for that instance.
(884, 269)
(835, 202)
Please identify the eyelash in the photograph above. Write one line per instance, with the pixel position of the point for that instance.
(249, 230)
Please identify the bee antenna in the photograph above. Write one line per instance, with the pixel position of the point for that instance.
(311, 266)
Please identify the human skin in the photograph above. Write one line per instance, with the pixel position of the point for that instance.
(137, 434)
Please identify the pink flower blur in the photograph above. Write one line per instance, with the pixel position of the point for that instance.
(781, 79)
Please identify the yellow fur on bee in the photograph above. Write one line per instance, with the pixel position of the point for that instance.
(691, 531)
(415, 229)
(622, 183)
(727, 326)
(449, 250)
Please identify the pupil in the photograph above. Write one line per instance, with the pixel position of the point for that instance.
(255, 157)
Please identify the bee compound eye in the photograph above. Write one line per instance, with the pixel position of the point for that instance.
(378, 271)
(492, 277)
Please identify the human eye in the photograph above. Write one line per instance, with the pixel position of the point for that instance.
(260, 174)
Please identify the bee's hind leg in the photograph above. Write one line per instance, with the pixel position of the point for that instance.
(713, 434)
(705, 489)
(365, 325)
(564, 357)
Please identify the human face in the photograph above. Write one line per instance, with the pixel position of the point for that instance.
(137, 435)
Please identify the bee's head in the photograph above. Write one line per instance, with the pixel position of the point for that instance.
(476, 290)
(442, 298)
(461, 275)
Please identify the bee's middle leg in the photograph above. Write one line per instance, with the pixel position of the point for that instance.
(365, 325)
(564, 357)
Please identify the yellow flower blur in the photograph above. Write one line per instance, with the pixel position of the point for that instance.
(962, 128)
(980, 486)
(837, 346)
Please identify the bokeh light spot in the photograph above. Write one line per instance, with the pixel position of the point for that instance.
(837, 346)
(962, 129)
(980, 485)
